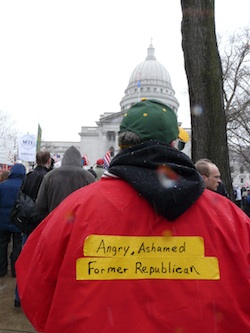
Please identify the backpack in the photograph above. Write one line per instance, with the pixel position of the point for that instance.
(24, 213)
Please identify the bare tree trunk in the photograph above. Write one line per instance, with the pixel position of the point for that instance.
(204, 75)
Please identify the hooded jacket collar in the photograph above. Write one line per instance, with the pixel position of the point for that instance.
(164, 176)
(72, 156)
(17, 171)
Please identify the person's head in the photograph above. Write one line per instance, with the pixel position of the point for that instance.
(91, 170)
(100, 163)
(148, 120)
(209, 172)
(43, 158)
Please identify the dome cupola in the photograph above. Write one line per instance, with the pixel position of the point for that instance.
(150, 80)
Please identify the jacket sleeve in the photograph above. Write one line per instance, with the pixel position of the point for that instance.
(42, 199)
(38, 266)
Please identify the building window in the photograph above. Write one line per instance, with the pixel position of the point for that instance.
(148, 88)
(111, 136)
(154, 89)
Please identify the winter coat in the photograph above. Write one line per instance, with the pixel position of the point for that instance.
(9, 190)
(33, 181)
(59, 183)
(135, 253)
(222, 190)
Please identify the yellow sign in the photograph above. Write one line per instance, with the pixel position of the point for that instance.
(147, 246)
(148, 257)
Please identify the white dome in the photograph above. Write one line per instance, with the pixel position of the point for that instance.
(151, 80)
(150, 69)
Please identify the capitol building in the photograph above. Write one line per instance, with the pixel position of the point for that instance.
(151, 80)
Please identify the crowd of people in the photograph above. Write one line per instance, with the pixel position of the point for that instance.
(153, 244)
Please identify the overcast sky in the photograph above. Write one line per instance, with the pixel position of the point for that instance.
(64, 63)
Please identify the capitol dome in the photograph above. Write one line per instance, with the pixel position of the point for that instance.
(151, 80)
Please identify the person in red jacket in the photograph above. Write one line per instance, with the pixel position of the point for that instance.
(147, 249)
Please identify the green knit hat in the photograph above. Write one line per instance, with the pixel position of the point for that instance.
(151, 119)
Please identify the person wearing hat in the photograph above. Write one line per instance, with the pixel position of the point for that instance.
(147, 249)
(99, 168)
(61, 182)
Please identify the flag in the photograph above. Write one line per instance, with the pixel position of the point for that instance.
(139, 90)
(85, 160)
(106, 160)
(39, 138)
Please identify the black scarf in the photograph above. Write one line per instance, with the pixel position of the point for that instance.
(170, 195)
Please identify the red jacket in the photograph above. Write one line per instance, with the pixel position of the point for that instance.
(57, 296)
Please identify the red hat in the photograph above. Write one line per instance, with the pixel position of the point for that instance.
(100, 161)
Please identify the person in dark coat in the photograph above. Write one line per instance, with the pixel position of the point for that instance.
(221, 189)
(34, 178)
(62, 181)
(8, 194)
(33, 181)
